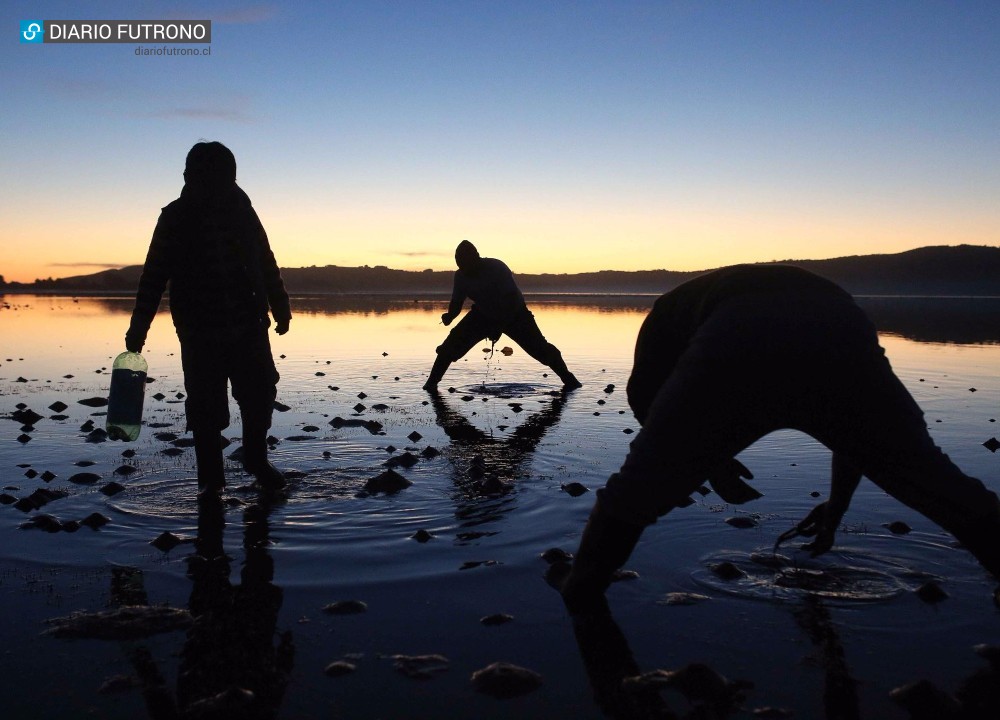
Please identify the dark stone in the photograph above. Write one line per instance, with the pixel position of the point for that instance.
(281, 407)
(496, 619)
(389, 482)
(112, 488)
(414, 436)
(359, 408)
(504, 680)
(931, 592)
(25, 505)
(726, 570)
(338, 668)
(898, 527)
(97, 435)
(26, 416)
(165, 436)
(406, 460)
(167, 541)
(24, 439)
(6, 499)
(555, 555)
(131, 622)
(421, 536)
(84, 478)
(992, 444)
(574, 489)
(172, 451)
(742, 521)
(124, 470)
(95, 521)
(58, 406)
(430, 452)
(94, 402)
(30, 473)
(419, 667)
(346, 607)
(48, 476)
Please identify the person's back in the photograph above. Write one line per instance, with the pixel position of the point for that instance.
(739, 353)
(211, 248)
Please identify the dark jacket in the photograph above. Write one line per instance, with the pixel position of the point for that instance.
(678, 315)
(212, 250)
(493, 290)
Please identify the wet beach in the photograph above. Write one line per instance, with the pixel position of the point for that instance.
(352, 598)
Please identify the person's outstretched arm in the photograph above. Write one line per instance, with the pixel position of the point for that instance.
(274, 286)
(457, 300)
(153, 281)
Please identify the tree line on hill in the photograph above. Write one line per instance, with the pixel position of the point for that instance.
(963, 270)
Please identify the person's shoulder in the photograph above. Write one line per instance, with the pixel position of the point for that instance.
(495, 264)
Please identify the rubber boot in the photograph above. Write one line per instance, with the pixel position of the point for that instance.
(255, 459)
(208, 455)
(441, 364)
(558, 366)
(604, 547)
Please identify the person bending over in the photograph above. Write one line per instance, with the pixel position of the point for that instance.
(498, 308)
(737, 353)
(211, 248)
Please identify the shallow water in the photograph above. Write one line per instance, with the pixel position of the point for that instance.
(326, 542)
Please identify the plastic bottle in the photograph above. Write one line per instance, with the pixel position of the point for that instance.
(128, 387)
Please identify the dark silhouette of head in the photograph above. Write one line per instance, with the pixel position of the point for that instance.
(466, 256)
(210, 166)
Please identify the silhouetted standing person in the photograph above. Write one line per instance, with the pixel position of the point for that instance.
(740, 352)
(211, 248)
(498, 309)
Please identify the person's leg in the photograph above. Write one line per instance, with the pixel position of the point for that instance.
(206, 407)
(255, 380)
(702, 417)
(470, 330)
(886, 436)
(525, 332)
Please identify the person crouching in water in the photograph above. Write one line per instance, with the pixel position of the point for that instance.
(737, 353)
(211, 248)
(498, 309)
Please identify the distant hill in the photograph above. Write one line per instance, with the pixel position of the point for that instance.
(968, 270)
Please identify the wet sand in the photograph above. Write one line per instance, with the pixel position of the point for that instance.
(346, 601)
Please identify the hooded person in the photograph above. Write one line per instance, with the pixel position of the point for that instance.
(498, 308)
(210, 248)
(737, 353)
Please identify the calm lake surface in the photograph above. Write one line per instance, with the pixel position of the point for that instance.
(365, 359)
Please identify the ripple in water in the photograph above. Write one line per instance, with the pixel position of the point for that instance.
(838, 576)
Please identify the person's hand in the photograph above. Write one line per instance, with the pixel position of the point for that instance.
(281, 326)
(817, 524)
(726, 480)
(133, 345)
(446, 319)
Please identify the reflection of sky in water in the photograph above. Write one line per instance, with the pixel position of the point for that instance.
(329, 544)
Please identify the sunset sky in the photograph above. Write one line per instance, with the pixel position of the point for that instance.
(558, 136)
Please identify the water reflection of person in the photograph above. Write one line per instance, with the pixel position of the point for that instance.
(230, 664)
(498, 309)
(609, 663)
(211, 248)
(503, 456)
(740, 352)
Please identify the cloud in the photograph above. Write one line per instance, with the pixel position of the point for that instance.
(422, 254)
(247, 15)
(203, 113)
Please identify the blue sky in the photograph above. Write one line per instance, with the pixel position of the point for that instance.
(558, 136)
